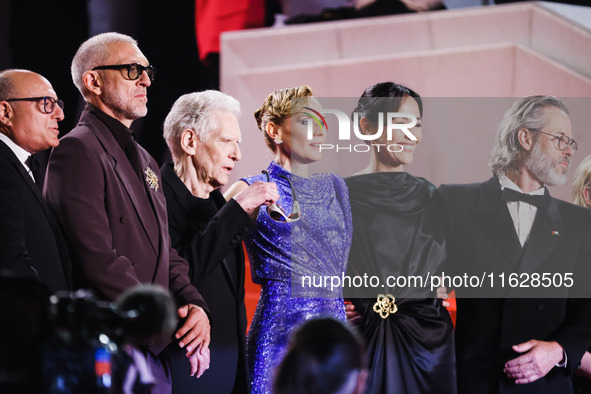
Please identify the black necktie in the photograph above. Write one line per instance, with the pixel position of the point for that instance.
(31, 163)
(132, 154)
(36, 170)
(540, 201)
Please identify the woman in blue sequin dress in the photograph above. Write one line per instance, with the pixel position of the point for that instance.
(283, 253)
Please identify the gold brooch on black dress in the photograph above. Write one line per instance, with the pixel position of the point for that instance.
(385, 305)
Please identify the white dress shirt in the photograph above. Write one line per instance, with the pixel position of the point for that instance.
(522, 213)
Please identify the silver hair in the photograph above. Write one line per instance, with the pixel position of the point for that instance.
(528, 113)
(195, 111)
(93, 52)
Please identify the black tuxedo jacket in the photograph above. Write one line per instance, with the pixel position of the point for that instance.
(482, 238)
(30, 241)
(208, 233)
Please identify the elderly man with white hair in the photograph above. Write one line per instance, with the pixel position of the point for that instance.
(203, 135)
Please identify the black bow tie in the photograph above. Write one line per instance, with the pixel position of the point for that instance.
(540, 201)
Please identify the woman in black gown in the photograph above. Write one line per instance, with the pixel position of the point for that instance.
(398, 231)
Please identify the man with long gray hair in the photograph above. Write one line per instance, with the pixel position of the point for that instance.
(509, 227)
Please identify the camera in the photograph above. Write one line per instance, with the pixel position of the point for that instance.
(76, 342)
(84, 353)
(80, 318)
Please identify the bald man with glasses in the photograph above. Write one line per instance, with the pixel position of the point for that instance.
(106, 192)
(31, 244)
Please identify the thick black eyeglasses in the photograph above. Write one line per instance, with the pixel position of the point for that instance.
(563, 140)
(134, 70)
(49, 103)
(277, 213)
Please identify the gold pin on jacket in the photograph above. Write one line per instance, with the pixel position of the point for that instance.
(152, 179)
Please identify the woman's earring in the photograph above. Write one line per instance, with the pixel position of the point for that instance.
(278, 140)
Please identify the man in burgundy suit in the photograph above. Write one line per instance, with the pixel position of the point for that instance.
(106, 191)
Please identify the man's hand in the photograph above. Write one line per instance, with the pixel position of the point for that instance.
(584, 369)
(257, 194)
(199, 361)
(195, 330)
(539, 358)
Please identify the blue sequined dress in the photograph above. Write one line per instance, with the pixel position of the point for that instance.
(282, 254)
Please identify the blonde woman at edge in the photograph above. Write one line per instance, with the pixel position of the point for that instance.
(582, 197)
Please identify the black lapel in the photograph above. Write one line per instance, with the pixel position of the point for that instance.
(60, 242)
(20, 168)
(41, 159)
(494, 219)
(186, 202)
(232, 279)
(545, 235)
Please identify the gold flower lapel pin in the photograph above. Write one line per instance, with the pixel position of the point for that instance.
(152, 179)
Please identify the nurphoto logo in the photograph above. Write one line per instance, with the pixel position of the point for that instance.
(387, 122)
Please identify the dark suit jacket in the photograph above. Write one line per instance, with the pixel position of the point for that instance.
(116, 225)
(208, 233)
(483, 239)
(30, 241)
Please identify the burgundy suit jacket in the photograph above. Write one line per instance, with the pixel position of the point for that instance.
(116, 225)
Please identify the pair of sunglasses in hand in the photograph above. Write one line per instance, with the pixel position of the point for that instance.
(276, 213)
